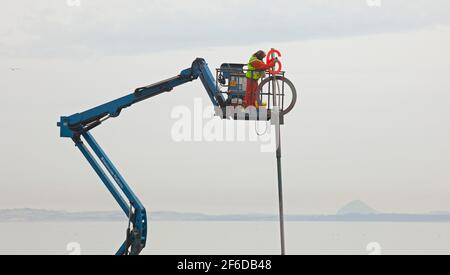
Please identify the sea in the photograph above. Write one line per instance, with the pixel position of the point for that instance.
(228, 238)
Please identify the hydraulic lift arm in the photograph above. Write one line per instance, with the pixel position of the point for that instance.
(78, 126)
(82, 122)
(231, 76)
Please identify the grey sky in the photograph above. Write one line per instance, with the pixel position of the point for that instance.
(55, 28)
(373, 123)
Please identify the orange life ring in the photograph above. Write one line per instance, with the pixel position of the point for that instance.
(278, 65)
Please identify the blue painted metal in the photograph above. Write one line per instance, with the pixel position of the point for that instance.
(101, 173)
(113, 172)
(209, 82)
(139, 215)
(77, 126)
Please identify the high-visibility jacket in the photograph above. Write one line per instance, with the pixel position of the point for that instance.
(252, 71)
(257, 67)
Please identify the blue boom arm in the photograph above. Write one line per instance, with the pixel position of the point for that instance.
(78, 126)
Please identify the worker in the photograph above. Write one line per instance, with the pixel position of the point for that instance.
(256, 71)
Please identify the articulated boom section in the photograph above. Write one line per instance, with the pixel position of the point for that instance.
(78, 126)
(132, 207)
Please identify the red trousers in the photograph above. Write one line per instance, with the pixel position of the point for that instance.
(251, 92)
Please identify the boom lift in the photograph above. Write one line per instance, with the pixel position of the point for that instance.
(230, 77)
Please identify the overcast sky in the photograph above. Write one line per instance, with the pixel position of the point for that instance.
(64, 28)
(373, 122)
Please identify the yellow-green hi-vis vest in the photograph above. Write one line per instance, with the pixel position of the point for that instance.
(252, 72)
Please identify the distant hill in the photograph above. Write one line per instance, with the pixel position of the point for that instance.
(38, 215)
(440, 213)
(352, 212)
(357, 208)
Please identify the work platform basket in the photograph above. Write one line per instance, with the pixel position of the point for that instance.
(274, 90)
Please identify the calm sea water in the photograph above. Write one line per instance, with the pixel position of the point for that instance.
(229, 238)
